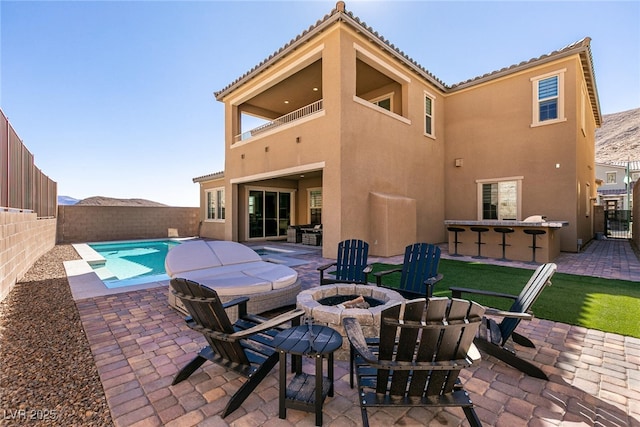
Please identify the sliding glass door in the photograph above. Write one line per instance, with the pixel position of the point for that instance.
(269, 213)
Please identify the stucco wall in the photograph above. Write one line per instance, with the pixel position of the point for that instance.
(23, 239)
(555, 161)
(105, 223)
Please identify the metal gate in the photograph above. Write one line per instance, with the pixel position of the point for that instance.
(618, 224)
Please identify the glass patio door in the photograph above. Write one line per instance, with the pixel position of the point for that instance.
(269, 213)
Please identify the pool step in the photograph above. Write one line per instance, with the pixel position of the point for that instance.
(93, 258)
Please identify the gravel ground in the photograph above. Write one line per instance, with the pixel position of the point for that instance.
(47, 372)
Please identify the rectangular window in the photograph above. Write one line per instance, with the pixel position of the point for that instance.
(215, 204)
(611, 177)
(548, 98)
(383, 103)
(428, 114)
(315, 206)
(548, 105)
(499, 200)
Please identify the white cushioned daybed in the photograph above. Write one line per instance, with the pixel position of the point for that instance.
(233, 270)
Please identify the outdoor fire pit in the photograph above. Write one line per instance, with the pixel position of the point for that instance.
(329, 304)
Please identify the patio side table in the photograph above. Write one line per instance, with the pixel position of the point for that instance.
(306, 392)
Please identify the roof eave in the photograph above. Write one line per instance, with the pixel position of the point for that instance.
(581, 48)
(209, 177)
(303, 38)
(320, 26)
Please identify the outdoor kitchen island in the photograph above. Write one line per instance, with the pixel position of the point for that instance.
(518, 239)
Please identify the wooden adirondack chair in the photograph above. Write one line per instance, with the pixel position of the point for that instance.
(417, 359)
(494, 338)
(419, 271)
(350, 265)
(244, 347)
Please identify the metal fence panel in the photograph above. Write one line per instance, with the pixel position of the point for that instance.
(618, 223)
(22, 184)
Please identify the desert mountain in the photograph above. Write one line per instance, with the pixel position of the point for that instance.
(618, 139)
(110, 201)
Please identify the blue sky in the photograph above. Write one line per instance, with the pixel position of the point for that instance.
(115, 98)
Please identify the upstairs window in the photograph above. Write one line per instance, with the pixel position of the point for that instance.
(548, 99)
(611, 177)
(428, 114)
(215, 204)
(383, 102)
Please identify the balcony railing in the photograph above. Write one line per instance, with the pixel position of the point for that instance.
(282, 120)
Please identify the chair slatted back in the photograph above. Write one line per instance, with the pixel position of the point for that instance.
(441, 331)
(421, 262)
(351, 261)
(206, 310)
(527, 297)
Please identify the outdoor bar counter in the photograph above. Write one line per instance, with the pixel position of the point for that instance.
(518, 244)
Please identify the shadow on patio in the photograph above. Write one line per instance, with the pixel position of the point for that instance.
(139, 344)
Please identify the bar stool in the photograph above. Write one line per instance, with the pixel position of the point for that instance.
(455, 231)
(504, 231)
(534, 232)
(479, 230)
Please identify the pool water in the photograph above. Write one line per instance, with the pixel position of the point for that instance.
(132, 262)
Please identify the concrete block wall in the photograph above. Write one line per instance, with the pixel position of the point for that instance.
(23, 240)
(78, 224)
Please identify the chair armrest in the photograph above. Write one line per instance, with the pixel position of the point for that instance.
(433, 280)
(269, 324)
(379, 275)
(457, 293)
(510, 314)
(357, 339)
(324, 267)
(368, 269)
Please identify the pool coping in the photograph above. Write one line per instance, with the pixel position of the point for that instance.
(84, 281)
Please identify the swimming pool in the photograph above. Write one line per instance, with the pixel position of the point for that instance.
(129, 263)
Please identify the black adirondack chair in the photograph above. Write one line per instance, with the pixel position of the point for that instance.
(244, 346)
(495, 338)
(350, 265)
(419, 271)
(418, 357)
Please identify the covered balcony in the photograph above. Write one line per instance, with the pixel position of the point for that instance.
(295, 97)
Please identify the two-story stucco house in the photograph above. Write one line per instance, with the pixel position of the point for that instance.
(358, 136)
(616, 181)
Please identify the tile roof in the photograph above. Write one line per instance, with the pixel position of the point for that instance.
(634, 165)
(340, 14)
(209, 177)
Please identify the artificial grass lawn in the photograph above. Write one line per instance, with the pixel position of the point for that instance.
(604, 304)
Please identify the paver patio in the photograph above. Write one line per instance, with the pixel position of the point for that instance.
(139, 343)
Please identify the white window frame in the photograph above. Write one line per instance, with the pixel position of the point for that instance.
(517, 179)
(388, 96)
(431, 97)
(535, 84)
(217, 195)
(615, 178)
(309, 207)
